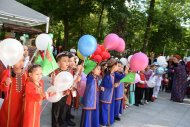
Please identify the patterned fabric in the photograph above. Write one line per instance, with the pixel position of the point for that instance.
(179, 83)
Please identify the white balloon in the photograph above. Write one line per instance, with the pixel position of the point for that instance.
(188, 59)
(63, 81)
(164, 65)
(151, 82)
(11, 51)
(56, 97)
(42, 41)
(129, 58)
(161, 60)
(124, 61)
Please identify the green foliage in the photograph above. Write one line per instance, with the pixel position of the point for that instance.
(70, 19)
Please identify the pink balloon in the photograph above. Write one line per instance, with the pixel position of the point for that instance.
(137, 78)
(139, 61)
(121, 45)
(111, 41)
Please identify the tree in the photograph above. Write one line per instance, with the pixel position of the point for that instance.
(148, 27)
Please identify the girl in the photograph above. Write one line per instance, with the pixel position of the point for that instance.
(119, 90)
(107, 98)
(34, 95)
(13, 84)
(90, 113)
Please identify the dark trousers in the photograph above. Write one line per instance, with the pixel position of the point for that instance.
(150, 93)
(146, 97)
(138, 95)
(68, 112)
(59, 113)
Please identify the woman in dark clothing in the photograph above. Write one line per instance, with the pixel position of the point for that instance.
(179, 80)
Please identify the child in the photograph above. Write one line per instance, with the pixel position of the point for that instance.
(13, 84)
(119, 91)
(107, 98)
(90, 112)
(34, 94)
(158, 80)
(71, 97)
(59, 108)
(140, 86)
(148, 72)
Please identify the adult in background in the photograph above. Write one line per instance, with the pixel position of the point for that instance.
(179, 80)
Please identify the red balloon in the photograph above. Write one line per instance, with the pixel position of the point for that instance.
(102, 48)
(98, 51)
(108, 55)
(97, 58)
(92, 57)
(105, 55)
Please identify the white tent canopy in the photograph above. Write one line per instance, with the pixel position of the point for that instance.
(16, 13)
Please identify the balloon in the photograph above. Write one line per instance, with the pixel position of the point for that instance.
(164, 65)
(11, 51)
(42, 41)
(111, 41)
(139, 61)
(166, 81)
(105, 55)
(97, 58)
(161, 60)
(56, 97)
(137, 78)
(160, 70)
(82, 85)
(87, 45)
(188, 59)
(129, 58)
(151, 82)
(124, 61)
(121, 45)
(102, 47)
(98, 51)
(63, 81)
(79, 55)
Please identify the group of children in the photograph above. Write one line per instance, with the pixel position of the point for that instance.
(102, 102)
(145, 93)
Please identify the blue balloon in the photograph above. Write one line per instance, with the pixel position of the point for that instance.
(87, 45)
(160, 71)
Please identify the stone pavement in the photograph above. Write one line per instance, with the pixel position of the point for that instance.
(161, 113)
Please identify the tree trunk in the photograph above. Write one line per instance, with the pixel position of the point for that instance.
(149, 23)
(66, 33)
(98, 30)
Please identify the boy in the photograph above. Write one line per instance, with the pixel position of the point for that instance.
(59, 108)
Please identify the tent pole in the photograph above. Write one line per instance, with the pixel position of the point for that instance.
(47, 25)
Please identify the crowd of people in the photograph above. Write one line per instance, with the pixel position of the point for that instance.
(104, 97)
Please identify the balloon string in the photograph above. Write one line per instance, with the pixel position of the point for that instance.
(44, 107)
(34, 55)
(30, 60)
(9, 75)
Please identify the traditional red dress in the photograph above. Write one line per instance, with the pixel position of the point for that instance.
(34, 96)
(11, 113)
